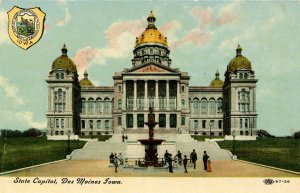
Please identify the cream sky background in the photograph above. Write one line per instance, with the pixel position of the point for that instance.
(202, 37)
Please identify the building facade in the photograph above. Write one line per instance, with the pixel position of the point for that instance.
(218, 109)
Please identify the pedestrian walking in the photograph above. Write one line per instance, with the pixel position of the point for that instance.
(185, 161)
(179, 157)
(126, 137)
(121, 159)
(123, 137)
(204, 159)
(166, 156)
(194, 158)
(111, 158)
(170, 163)
(116, 163)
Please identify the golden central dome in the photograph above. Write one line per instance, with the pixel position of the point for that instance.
(64, 62)
(239, 62)
(151, 34)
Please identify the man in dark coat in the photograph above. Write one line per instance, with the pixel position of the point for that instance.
(205, 158)
(170, 163)
(111, 158)
(179, 157)
(185, 161)
(166, 156)
(194, 158)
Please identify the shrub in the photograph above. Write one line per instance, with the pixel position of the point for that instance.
(32, 132)
(297, 135)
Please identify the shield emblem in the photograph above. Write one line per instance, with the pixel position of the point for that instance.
(25, 26)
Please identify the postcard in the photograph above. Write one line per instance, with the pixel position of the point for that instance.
(149, 96)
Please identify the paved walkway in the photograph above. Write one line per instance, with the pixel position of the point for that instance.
(97, 168)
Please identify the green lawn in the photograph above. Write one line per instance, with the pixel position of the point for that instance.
(278, 152)
(26, 151)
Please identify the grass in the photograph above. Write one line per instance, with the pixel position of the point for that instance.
(278, 152)
(27, 151)
(99, 137)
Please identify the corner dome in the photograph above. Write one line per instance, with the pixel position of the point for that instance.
(217, 82)
(239, 62)
(85, 82)
(151, 34)
(64, 62)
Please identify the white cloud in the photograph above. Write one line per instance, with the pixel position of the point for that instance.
(4, 38)
(62, 2)
(10, 91)
(65, 20)
(25, 117)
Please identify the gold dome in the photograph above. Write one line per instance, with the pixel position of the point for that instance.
(239, 62)
(151, 34)
(85, 82)
(217, 83)
(64, 62)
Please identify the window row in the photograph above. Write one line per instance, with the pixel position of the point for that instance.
(243, 75)
(246, 123)
(91, 124)
(140, 121)
(60, 75)
(208, 134)
(90, 106)
(208, 125)
(243, 95)
(207, 106)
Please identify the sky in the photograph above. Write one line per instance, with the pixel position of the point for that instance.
(202, 36)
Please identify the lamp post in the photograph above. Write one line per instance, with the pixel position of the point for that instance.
(69, 134)
(233, 141)
(210, 126)
(92, 127)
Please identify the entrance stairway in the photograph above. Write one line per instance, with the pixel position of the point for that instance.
(96, 150)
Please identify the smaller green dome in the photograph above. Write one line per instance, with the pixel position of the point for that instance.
(217, 82)
(85, 82)
(239, 62)
(64, 62)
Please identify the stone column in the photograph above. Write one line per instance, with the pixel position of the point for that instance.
(123, 121)
(124, 96)
(156, 96)
(146, 96)
(156, 120)
(134, 121)
(167, 95)
(254, 99)
(178, 106)
(167, 121)
(178, 125)
(250, 99)
(50, 98)
(134, 95)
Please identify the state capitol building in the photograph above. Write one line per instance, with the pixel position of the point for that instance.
(79, 107)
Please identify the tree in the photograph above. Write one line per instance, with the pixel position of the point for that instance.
(32, 132)
(264, 133)
(297, 135)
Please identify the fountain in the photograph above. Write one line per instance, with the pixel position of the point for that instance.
(151, 144)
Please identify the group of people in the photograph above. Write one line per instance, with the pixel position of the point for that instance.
(124, 137)
(193, 159)
(114, 159)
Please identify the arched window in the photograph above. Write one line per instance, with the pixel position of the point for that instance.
(107, 106)
(241, 123)
(99, 105)
(212, 106)
(220, 124)
(196, 105)
(220, 134)
(247, 133)
(91, 105)
(240, 76)
(220, 108)
(82, 124)
(83, 105)
(243, 94)
(246, 76)
(57, 76)
(119, 104)
(203, 106)
(246, 123)
(119, 121)
(62, 76)
(241, 133)
(98, 124)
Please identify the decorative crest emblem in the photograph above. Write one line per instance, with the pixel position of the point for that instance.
(25, 26)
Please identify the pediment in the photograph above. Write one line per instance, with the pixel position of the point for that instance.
(152, 68)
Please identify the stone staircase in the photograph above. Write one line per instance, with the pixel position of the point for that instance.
(95, 150)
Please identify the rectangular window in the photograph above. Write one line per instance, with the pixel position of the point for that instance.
(140, 103)
(172, 103)
(130, 104)
(203, 124)
(162, 120)
(162, 102)
(83, 124)
(106, 124)
(62, 123)
(57, 123)
(246, 123)
(129, 120)
(182, 88)
(173, 121)
(241, 123)
(140, 120)
(119, 121)
(99, 124)
(120, 88)
(220, 124)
